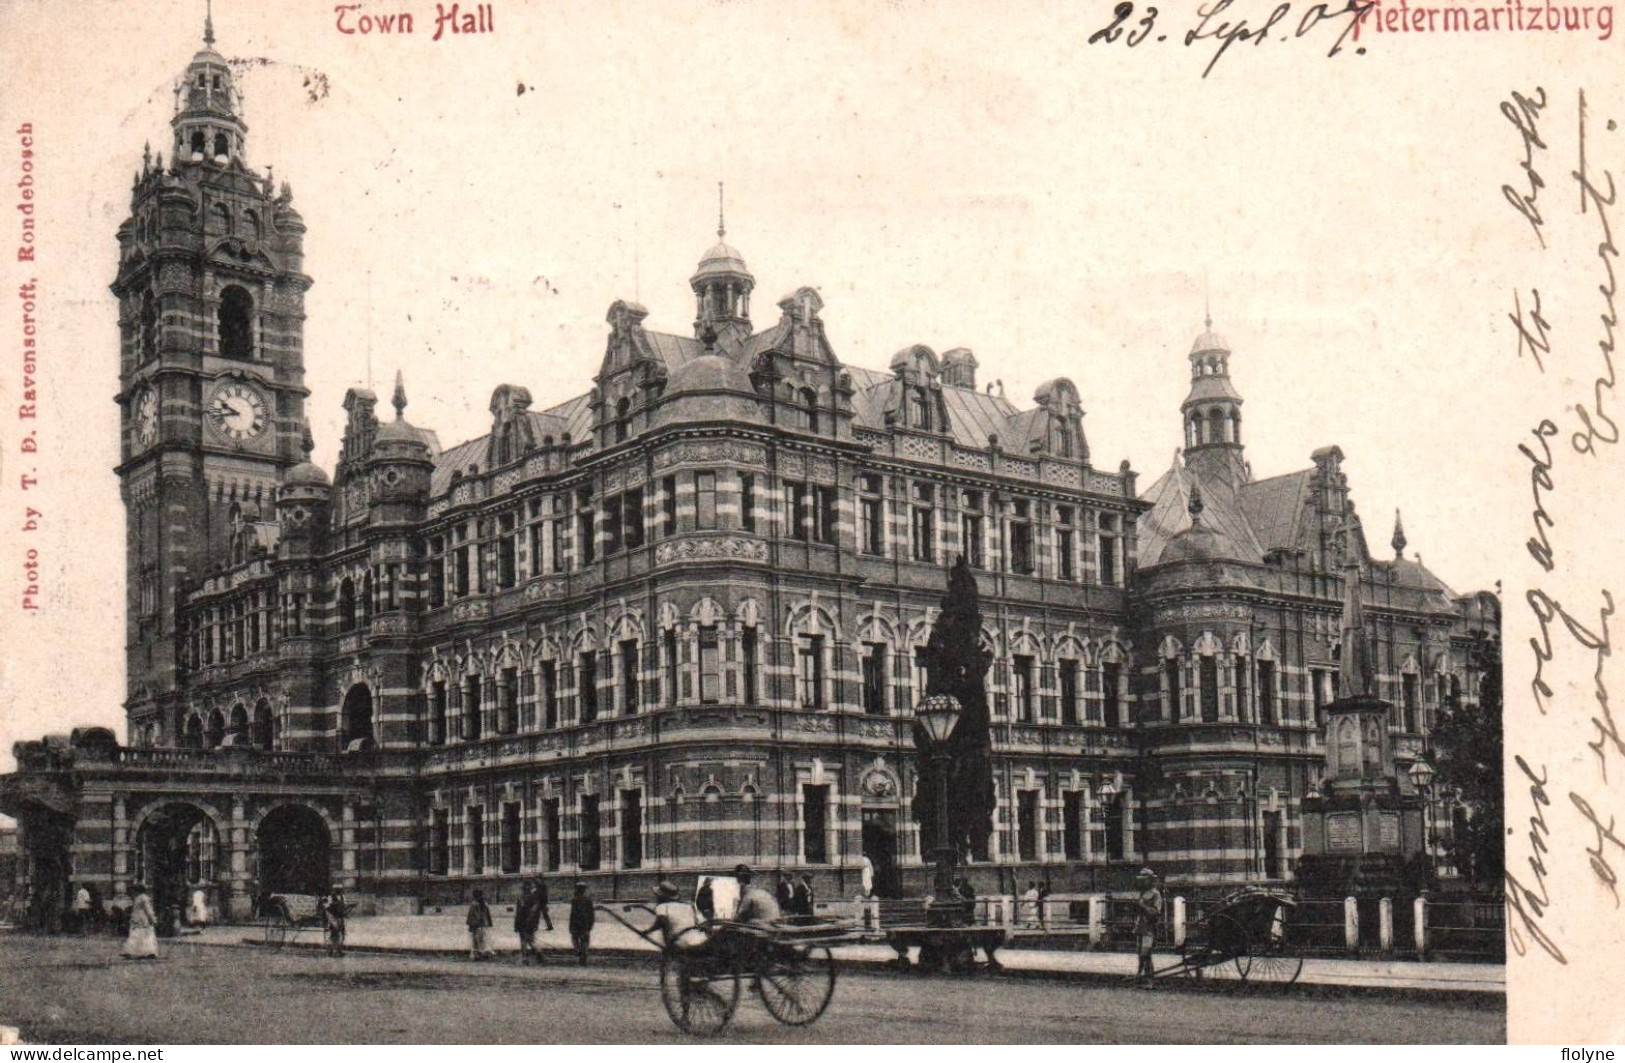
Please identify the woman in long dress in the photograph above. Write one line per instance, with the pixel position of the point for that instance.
(142, 942)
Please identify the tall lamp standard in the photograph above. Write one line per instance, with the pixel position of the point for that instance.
(937, 715)
(1421, 774)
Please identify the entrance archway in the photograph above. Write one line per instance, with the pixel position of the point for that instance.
(178, 849)
(295, 850)
(880, 846)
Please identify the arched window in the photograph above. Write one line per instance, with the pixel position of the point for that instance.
(623, 419)
(251, 225)
(1215, 426)
(920, 409)
(347, 613)
(357, 715)
(264, 727)
(222, 145)
(239, 720)
(1235, 426)
(194, 732)
(366, 599)
(197, 143)
(236, 323)
(217, 729)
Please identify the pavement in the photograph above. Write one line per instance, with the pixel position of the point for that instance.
(77, 991)
(445, 934)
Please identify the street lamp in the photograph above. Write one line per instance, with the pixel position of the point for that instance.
(1421, 774)
(937, 715)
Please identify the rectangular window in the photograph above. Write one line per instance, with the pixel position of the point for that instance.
(814, 819)
(476, 841)
(552, 847)
(1266, 692)
(612, 525)
(1022, 671)
(825, 523)
(1069, 693)
(587, 686)
(1111, 692)
(550, 695)
(508, 702)
(810, 672)
(874, 678)
(922, 526)
(1170, 671)
(1244, 711)
(1208, 666)
(586, 529)
(668, 506)
(510, 838)
(747, 648)
(590, 834)
(460, 572)
(1108, 550)
(1319, 689)
(800, 517)
(1066, 563)
(1021, 538)
(1073, 823)
(747, 502)
(1408, 699)
(1027, 824)
(631, 829)
(556, 552)
(507, 545)
(919, 676)
(705, 500)
(437, 713)
(472, 724)
(871, 515)
(538, 548)
(630, 703)
(971, 534)
(632, 516)
(440, 842)
(669, 643)
(710, 665)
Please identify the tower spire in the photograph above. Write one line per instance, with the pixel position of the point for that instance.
(1399, 537)
(722, 228)
(208, 22)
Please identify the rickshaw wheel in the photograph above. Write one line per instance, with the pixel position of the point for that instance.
(1229, 949)
(699, 988)
(1273, 965)
(796, 984)
(276, 928)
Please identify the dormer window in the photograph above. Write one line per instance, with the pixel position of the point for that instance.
(920, 409)
(809, 402)
(623, 420)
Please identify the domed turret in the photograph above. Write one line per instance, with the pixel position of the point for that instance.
(709, 387)
(722, 285)
(1212, 414)
(302, 504)
(400, 462)
(208, 126)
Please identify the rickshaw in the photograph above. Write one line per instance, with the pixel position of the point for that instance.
(1243, 936)
(284, 915)
(701, 970)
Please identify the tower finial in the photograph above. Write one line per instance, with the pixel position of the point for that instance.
(722, 228)
(399, 401)
(1399, 537)
(1195, 505)
(307, 443)
(1207, 302)
(208, 22)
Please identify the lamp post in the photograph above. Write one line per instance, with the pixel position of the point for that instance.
(937, 715)
(1421, 774)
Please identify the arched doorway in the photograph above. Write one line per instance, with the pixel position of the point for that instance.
(264, 727)
(357, 715)
(295, 850)
(177, 850)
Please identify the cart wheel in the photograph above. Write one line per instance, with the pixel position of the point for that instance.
(1273, 964)
(276, 928)
(1229, 949)
(796, 984)
(699, 988)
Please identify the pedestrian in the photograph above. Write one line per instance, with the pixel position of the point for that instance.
(582, 917)
(197, 911)
(1148, 916)
(1043, 904)
(335, 918)
(81, 909)
(705, 900)
(673, 916)
(527, 917)
(867, 878)
(784, 893)
(142, 942)
(1029, 902)
(479, 927)
(803, 896)
(543, 906)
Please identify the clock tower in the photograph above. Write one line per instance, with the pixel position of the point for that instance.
(211, 369)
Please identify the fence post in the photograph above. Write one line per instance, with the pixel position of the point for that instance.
(1351, 924)
(1097, 920)
(1007, 911)
(1421, 923)
(1385, 924)
(1179, 921)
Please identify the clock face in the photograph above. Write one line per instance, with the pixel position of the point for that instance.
(237, 411)
(146, 418)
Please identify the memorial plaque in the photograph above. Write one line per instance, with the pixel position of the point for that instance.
(1388, 831)
(1343, 832)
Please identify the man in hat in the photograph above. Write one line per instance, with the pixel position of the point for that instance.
(673, 916)
(756, 905)
(582, 917)
(1148, 916)
(527, 916)
(333, 916)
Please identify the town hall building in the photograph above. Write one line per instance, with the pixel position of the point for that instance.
(676, 623)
